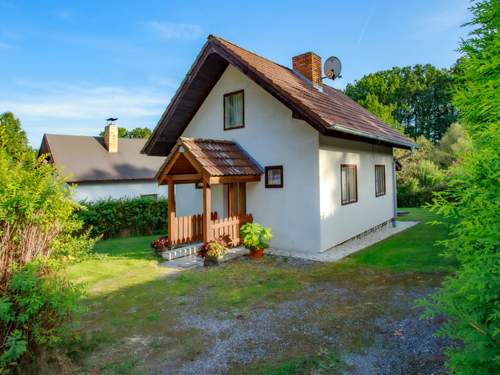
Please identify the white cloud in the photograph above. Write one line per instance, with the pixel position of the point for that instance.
(5, 45)
(54, 107)
(169, 30)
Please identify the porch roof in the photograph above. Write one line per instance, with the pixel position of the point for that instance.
(208, 158)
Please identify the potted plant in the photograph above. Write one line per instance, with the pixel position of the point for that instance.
(159, 245)
(255, 238)
(213, 252)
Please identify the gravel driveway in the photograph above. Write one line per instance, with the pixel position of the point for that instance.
(368, 320)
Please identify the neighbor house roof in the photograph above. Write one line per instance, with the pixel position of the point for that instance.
(328, 110)
(214, 157)
(86, 159)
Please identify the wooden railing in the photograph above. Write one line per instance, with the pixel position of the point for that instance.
(230, 226)
(188, 229)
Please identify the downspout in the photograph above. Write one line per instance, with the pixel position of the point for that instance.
(394, 193)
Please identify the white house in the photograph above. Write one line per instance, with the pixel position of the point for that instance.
(246, 136)
(104, 167)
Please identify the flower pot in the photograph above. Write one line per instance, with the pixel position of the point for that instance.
(256, 253)
(212, 261)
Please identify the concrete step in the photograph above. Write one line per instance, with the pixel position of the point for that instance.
(182, 251)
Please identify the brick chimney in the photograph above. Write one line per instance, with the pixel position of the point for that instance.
(111, 137)
(309, 65)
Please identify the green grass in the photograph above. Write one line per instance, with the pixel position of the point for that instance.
(117, 263)
(413, 250)
(129, 296)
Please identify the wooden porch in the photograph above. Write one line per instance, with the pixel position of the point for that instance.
(206, 163)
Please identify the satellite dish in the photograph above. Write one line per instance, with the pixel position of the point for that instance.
(332, 67)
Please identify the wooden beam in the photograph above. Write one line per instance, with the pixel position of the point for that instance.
(186, 177)
(241, 198)
(207, 209)
(171, 211)
(230, 200)
(228, 179)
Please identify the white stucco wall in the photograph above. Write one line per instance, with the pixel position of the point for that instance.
(92, 191)
(342, 222)
(272, 137)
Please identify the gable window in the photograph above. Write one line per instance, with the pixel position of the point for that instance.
(234, 110)
(274, 176)
(379, 180)
(348, 183)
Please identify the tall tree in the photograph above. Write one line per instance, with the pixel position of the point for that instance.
(418, 98)
(12, 138)
(471, 298)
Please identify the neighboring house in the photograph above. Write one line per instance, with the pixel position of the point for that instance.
(327, 163)
(104, 167)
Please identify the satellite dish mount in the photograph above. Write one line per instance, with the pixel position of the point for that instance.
(332, 68)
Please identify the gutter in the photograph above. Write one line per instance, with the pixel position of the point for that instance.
(360, 133)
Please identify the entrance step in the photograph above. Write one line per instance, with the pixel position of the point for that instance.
(182, 251)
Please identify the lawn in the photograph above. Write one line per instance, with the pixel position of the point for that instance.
(145, 318)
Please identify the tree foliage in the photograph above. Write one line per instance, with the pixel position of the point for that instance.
(428, 169)
(471, 298)
(38, 223)
(134, 133)
(417, 98)
(13, 139)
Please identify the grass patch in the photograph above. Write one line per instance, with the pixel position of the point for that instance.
(325, 362)
(133, 308)
(413, 250)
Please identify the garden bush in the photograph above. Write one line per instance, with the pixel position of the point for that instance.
(39, 230)
(134, 216)
(34, 309)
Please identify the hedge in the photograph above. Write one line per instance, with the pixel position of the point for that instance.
(125, 217)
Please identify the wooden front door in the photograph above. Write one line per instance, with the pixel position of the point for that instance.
(235, 199)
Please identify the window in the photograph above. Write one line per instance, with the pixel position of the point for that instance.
(348, 183)
(274, 176)
(234, 110)
(379, 180)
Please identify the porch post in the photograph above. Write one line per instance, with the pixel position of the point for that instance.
(207, 209)
(171, 211)
(241, 197)
(230, 200)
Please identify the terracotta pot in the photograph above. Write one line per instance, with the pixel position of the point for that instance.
(257, 253)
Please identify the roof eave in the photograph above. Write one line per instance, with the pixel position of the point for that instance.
(397, 143)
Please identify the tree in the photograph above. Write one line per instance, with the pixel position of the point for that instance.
(12, 138)
(139, 133)
(471, 298)
(454, 144)
(134, 133)
(417, 98)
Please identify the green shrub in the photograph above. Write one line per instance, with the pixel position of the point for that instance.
(134, 216)
(34, 307)
(38, 226)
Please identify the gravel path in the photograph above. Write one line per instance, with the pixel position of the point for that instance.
(374, 330)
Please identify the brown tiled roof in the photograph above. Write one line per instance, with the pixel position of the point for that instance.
(328, 110)
(218, 157)
(85, 158)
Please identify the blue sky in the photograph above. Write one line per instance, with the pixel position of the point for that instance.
(65, 66)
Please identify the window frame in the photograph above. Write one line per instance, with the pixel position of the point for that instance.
(344, 203)
(379, 194)
(274, 167)
(243, 109)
